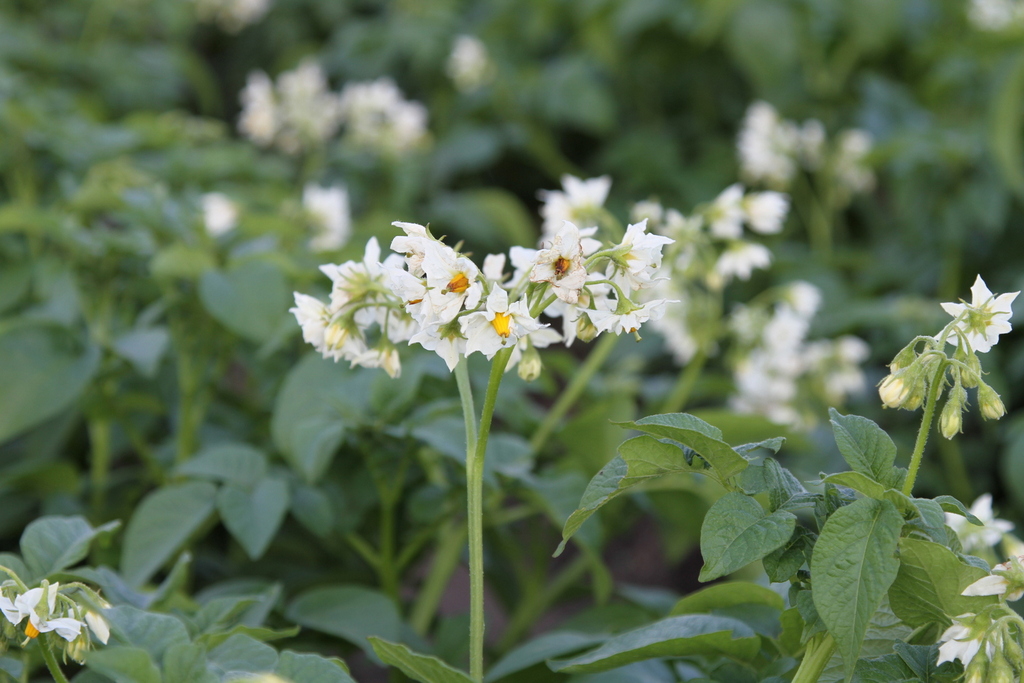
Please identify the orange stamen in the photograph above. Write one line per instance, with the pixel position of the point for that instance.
(502, 324)
(31, 631)
(458, 284)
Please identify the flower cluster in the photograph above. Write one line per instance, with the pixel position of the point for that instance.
(996, 15)
(430, 294)
(232, 15)
(469, 65)
(46, 609)
(772, 150)
(975, 328)
(378, 118)
(296, 114)
(986, 643)
(776, 369)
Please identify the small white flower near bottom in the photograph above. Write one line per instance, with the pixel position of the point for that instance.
(960, 641)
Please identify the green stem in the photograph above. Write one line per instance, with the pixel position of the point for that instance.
(572, 391)
(446, 559)
(816, 656)
(684, 385)
(926, 425)
(475, 494)
(466, 394)
(51, 663)
(388, 570)
(99, 439)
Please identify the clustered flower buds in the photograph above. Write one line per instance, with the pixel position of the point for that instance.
(430, 294)
(975, 329)
(51, 608)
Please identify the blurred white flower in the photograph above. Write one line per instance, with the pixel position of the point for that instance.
(725, 215)
(987, 317)
(259, 119)
(765, 212)
(377, 117)
(740, 259)
(640, 259)
(329, 208)
(469, 65)
(767, 146)
(995, 15)
(811, 145)
(579, 202)
(974, 538)
(852, 173)
(220, 214)
(652, 210)
(232, 15)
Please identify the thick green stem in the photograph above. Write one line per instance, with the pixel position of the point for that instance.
(684, 385)
(466, 394)
(573, 390)
(926, 425)
(446, 559)
(388, 568)
(816, 656)
(475, 494)
(99, 467)
(51, 663)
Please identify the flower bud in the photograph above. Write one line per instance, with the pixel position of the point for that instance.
(915, 396)
(530, 365)
(586, 330)
(992, 407)
(976, 670)
(951, 420)
(905, 358)
(893, 391)
(999, 670)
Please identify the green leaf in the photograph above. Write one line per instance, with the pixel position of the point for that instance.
(951, 504)
(929, 583)
(240, 653)
(861, 483)
(728, 595)
(640, 460)
(50, 544)
(782, 563)
(237, 463)
(422, 668)
(1005, 121)
(162, 523)
(186, 663)
(254, 516)
(124, 664)
(866, 448)
(696, 434)
(311, 668)
(143, 348)
(251, 299)
(690, 634)
(42, 373)
(181, 261)
(152, 632)
(785, 491)
(737, 531)
(349, 612)
(541, 648)
(853, 565)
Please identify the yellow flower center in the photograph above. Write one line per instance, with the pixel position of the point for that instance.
(31, 631)
(562, 266)
(458, 284)
(502, 324)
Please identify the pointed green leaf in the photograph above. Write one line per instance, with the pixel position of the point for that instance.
(186, 663)
(124, 664)
(311, 668)
(853, 565)
(929, 583)
(738, 531)
(422, 668)
(690, 634)
(640, 459)
(154, 633)
(253, 516)
(250, 299)
(696, 434)
(541, 648)
(237, 463)
(50, 544)
(349, 612)
(861, 483)
(951, 504)
(866, 448)
(161, 524)
(240, 653)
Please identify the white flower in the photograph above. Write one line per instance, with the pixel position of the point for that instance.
(310, 114)
(377, 117)
(960, 642)
(741, 258)
(811, 143)
(995, 15)
(259, 120)
(629, 322)
(501, 324)
(385, 356)
(444, 339)
(765, 211)
(804, 297)
(973, 537)
(837, 362)
(987, 317)
(313, 317)
(767, 146)
(579, 202)
(27, 605)
(469, 66)
(232, 15)
(413, 245)
(451, 281)
(411, 290)
(99, 626)
(220, 215)
(852, 172)
(522, 259)
(725, 215)
(561, 264)
(641, 255)
(652, 210)
(329, 208)
(494, 268)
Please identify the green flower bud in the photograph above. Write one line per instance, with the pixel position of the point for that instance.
(976, 670)
(951, 420)
(585, 329)
(530, 365)
(992, 407)
(905, 358)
